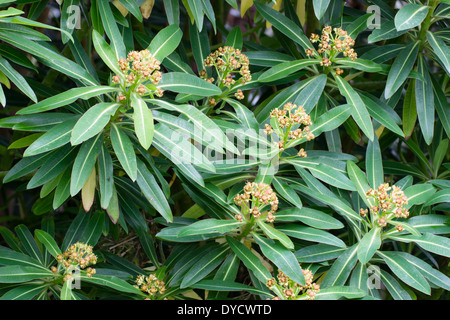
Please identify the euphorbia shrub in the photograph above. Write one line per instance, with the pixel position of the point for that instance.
(165, 150)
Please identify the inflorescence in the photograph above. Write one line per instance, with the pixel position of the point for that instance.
(150, 285)
(228, 62)
(140, 73)
(254, 200)
(286, 124)
(78, 256)
(388, 205)
(331, 45)
(287, 289)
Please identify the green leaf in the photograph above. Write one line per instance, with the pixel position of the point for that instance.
(405, 271)
(17, 79)
(431, 274)
(133, 8)
(359, 111)
(425, 101)
(311, 234)
(28, 242)
(105, 52)
(66, 291)
(318, 253)
(395, 289)
(282, 23)
(234, 38)
(410, 16)
(331, 119)
(111, 282)
(320, 6)
(336, 292)
(284, 69)
(111, 29)
(84, 162)
(124, 151)
(62, 191)
(54, 138)
(113, 207)
(204, 266)
(152, 191)
(187, 83)
(418, 194)
(374, 166)
(285, 191)
(48, 241)
(25, 292)
(283, 258)
(197, 11)
(228, 286)
(401, 69)
(441, 50)
(249, 260)
(368, 245)
(93, 121)
(275, 234)
(66, 98)
(165, 42)
(105, 177)
(311, 217)
(341, 268)
(13, 258)
(386, 31)
(172, 9)
(209, 226)
(143, 121)
(93, 229)
(359, 179)
(19, 274)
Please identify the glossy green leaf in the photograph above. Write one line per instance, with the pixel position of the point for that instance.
(311, 234)
(368, 245)
(410, 16)
(84, 162)
(124, 151)
(165, 42)
(283, 258)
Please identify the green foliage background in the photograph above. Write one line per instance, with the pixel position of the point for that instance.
(78, 164)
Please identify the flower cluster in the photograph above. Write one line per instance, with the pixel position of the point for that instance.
(286, 124)
(137, 70)
(287, 289)
(331, 43)
(254, 200)
(228, 61)
(388, 205)
(150, 284)
(78, 256)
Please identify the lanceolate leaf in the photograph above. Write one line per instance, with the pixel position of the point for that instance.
(54, 138)
(339, 272)
(282, 258)
(359, 111)
(410, 16)
(405, 271)
(93, 121)
(284, 69)
(286, 26)
(84, 162)
(17, 79)
(165, 42)
(249, 259)
(374, 166)
(400, 69)
(124, 151)
(425, 101)
(152, 191)
(143, 121)
(187, 83)
(105, 177)
(66, 98)
(368, 245)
